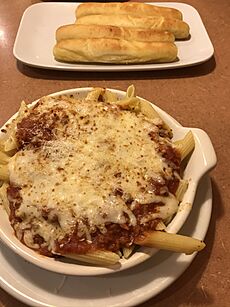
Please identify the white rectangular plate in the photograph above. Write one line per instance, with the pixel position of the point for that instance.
(36, 37)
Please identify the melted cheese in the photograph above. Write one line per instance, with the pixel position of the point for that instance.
(74, 176)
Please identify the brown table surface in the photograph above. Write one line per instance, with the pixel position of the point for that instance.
(196, 96)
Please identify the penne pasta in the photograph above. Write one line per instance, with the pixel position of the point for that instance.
(4, 158)
(160, 226)
(148, 110)
(130, 91)
(102, 258)
(171, 242)
(95, 94)
(3, 197)
(1, 145)
(183, 185)
(109, 96)
(127, 251)
(131, 103)
(186, 145)
(4, 173)
(68, 98)
(10, 144)
(101, 94)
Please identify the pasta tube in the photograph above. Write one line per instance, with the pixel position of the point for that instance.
(3, 198)
(186, 145)
(102, 95)
(95, 94)
(4, 158)
(99, 257)
(130, 92)
(127, 251)
(109, 96)
(11, 143)
(171, 242)
(4, 173)
(183, 185)
(148, 110)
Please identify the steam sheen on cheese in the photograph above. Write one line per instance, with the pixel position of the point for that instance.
(74, 179)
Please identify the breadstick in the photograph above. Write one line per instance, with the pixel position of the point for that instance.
(105, 50)
(75, 31)
(130, 8)
(179, 28)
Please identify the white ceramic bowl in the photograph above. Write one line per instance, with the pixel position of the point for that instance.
(203, 159)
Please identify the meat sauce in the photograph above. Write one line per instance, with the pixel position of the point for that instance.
(115, 237)
(34, 131)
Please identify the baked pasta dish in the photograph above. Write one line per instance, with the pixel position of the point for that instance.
(94, 178)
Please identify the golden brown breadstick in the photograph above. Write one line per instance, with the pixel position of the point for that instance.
(179, 28)
(75, 31)
(130, 8)
(115, 51)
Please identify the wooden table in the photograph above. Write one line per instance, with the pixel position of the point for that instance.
(196, 96)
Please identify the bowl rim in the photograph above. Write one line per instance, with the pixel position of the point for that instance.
(143, 253)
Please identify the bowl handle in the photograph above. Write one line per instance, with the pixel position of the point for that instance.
(207, 153)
